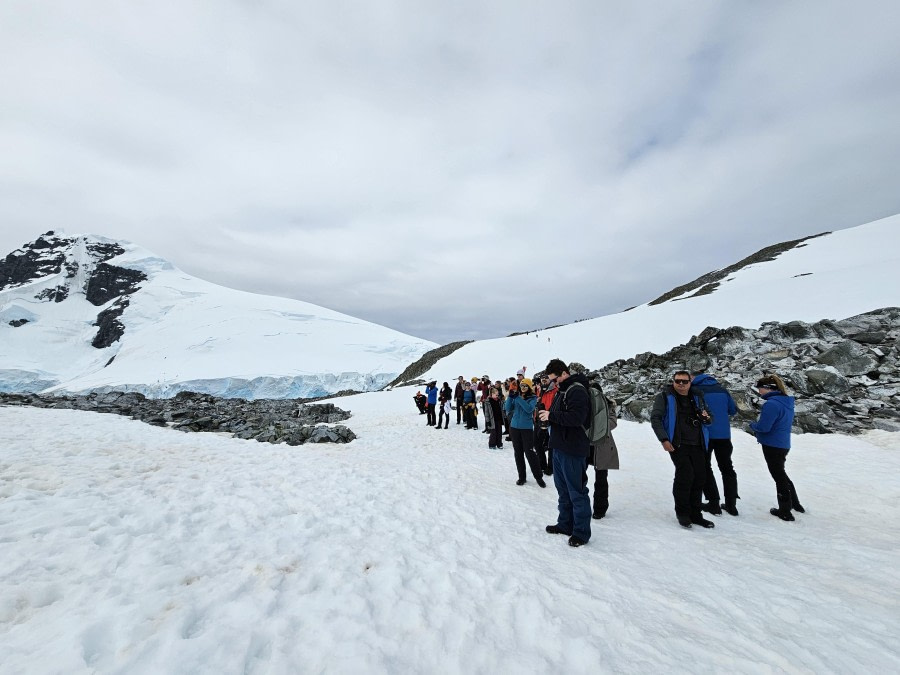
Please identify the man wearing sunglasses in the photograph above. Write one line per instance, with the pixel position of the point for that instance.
(680, 419)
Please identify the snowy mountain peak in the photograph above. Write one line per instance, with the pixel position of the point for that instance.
(85, 312)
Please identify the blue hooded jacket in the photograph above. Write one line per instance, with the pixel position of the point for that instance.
(432, 393)
(720, 404)
(775, 419)
(522, 410)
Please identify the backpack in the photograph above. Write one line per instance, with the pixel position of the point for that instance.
(603, 412)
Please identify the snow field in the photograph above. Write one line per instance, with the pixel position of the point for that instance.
(134, 549)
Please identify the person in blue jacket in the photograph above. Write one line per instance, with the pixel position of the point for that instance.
(722, 407)
(773, 432)
(431, 391)
(680, 421)
(520, 408)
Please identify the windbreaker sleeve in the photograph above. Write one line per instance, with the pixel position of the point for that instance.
(767, 418)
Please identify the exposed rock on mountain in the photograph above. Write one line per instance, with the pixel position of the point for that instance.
(85, 313)
(844, 374)
(265, 420)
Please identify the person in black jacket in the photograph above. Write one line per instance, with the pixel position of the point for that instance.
(568, 415)
(458, 397)
(679, 419)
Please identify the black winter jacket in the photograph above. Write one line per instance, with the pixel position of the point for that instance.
(570, 412)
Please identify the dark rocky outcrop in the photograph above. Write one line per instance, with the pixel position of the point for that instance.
(288, 421)
(43, 257)
(424, 364)
(108, 281)
(709, 282)
(842, 383)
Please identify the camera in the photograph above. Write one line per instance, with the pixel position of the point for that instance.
(541, 423)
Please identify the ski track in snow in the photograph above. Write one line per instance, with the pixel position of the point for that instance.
(133, 549)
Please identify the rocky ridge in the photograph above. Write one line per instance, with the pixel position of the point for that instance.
(844, 374)
(288, 421)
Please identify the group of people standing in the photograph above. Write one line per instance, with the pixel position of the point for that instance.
(546, 422)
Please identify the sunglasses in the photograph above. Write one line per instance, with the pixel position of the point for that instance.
(681, 381)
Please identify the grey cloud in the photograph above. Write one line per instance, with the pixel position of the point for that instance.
(463, 170)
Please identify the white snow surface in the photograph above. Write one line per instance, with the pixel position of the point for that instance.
(183, 333)
(836, 276)
(128, 548)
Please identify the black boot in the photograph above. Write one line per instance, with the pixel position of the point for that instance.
(684, 521)
(712, 507)
(730, 508)
(703, 522)
(795, 503)
(784, 507)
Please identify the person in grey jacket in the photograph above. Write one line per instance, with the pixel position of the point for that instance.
(606, 457)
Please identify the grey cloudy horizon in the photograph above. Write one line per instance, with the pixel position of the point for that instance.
(453, 171)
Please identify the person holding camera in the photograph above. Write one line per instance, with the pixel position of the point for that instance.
(570, 412)
(546, 391)
(520, 406)
(680, 419)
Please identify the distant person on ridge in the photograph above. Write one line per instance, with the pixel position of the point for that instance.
(773, 432)
(721, 407)
(570, 412)
(680, 420)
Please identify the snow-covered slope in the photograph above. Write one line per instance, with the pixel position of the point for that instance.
(177, 332)
(834, 276)
(133, 549)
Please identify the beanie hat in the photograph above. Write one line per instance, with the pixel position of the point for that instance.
(526, 382)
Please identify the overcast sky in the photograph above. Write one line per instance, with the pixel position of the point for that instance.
(452, 170)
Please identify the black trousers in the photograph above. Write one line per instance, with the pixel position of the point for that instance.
(722, 448)
(601, 492)
(469, 416)
(690, 475)
(523, 446)
(431, 420)
(495, 440)
(542, 446)
(784, 486)
(441, 416)
(459, 410)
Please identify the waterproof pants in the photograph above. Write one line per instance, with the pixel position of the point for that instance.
(542, 447)
(722, 448)
(459, 410)
(523, 447)
(690, 475)
(601, 492)
(784, 487)
(431, 420)
(441, 416)
(570, 479)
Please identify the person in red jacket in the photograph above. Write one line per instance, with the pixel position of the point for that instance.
(546, 390)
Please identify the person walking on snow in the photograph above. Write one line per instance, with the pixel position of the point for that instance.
(773, 432)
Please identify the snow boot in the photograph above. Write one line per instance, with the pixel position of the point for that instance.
(784, 515)
(684, 521)
(575, 542)
(730, 508)
(554, 529)
(712, 508)
(703, 522)
(784, 507)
